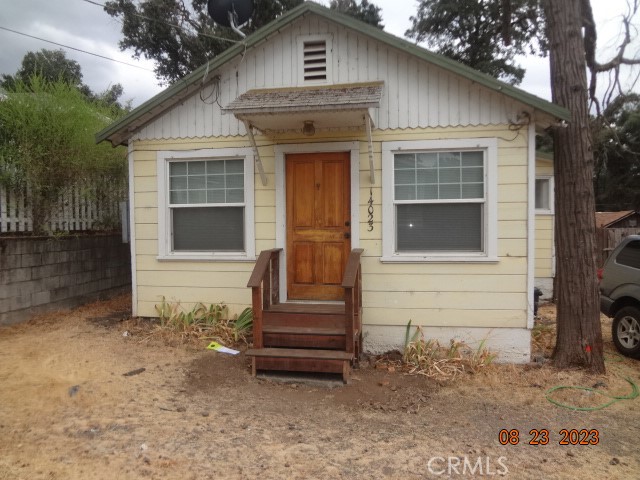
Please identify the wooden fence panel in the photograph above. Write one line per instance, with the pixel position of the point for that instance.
(82, 207)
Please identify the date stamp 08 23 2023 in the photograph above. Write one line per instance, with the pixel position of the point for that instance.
(542, 436)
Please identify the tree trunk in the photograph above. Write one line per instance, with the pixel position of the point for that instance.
(579, 334)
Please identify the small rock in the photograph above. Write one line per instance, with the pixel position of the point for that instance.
(383, 383)
(570, 454)
(599, 385)
(146, 460)
(144, 447)
(74, 390)
(287, 465)
(394, 388)
(181, 409)
(614, 461)
(391, 369)
(294, 385)
(205, 414)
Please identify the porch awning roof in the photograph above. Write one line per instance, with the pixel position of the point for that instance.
(327, 106)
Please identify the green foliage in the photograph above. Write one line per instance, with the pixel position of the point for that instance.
(363, 11)
(205, 321)
(180, 38)
(51, 66)
(476, 33)
(47, 143)
(616, 145)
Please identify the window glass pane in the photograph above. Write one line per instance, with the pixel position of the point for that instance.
(405, 160)
(208, 229)
(178, 183)
(178, 168)
(439, 227)
(472, 159)
(473, 174)
(427, 160)
(450, 191)
(215, 196)
(405, 177)
(428, 176)
(472, 190)
(196, 168)
(235, 181)
(235, 196)
(449, 175)
(234, 166)
(630, 255)
(406, 193)
(427, 192)
(542, 193)
(197, 182)
(215, 181)
(215, 167)
(197, 196)
(179, 196)
(449, 159)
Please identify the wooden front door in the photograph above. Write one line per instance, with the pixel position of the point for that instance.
(318, 224)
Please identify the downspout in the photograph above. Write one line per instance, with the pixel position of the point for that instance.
(132, 233)
(531, 219)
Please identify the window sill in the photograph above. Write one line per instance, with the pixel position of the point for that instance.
(439, 259)
(186, 257)
(544, 212)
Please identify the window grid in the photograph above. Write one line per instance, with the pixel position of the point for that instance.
(439, 176)
(206, 182)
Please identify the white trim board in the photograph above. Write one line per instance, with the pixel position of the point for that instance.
(281, 212)
(132, 230)
(531, 220)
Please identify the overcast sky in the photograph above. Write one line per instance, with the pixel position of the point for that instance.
(85, 26)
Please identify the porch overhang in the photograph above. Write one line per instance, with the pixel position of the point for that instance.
(328, 107)
(324, 107)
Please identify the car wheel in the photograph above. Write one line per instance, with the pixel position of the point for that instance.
(626, 331)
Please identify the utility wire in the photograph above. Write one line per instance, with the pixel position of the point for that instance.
(74, 48)
(169, 24)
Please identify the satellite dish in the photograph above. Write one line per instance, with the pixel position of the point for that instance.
(230, 13)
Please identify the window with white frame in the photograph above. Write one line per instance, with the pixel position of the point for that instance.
(544, 195)
(206, 204)
(438, 200)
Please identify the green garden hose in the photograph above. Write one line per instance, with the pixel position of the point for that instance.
(634, 394)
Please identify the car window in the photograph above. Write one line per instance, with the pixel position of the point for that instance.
(630, 255)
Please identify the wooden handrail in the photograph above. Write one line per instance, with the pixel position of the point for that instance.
(352, 284)
(264, 283)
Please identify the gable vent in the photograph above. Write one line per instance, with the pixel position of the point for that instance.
(315, 60)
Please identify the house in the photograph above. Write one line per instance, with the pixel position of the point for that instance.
(545, 257)
(624, 219)
(353, 180)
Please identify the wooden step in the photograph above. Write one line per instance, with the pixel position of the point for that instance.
(328, 338)
(326, 315)
(301, 360)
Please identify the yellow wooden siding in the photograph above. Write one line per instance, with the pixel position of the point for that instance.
(544, 256)
(434, 294)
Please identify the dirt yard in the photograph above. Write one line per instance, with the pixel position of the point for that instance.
(68, 412)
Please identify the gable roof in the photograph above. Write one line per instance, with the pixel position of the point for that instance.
(606, 219)
(119, 131)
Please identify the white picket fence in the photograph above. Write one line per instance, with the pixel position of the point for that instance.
(82, 207)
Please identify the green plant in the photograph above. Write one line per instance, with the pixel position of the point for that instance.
(207, 322)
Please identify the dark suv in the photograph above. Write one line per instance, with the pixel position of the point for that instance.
(620, 295)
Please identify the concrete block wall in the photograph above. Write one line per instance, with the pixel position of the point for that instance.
(40, 274)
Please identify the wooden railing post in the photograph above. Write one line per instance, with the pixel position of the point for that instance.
(263, 284)
(352, 300)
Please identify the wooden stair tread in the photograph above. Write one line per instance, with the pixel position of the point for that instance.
(317, 308)
(303, 330)
(299, 353)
